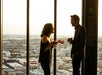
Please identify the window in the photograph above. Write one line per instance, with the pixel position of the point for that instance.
(65, 9)
(41, 12)
(14, 37)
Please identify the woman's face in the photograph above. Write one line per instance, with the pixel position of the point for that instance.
(52, 29)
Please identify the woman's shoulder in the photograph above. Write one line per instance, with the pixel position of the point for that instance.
(44, 39)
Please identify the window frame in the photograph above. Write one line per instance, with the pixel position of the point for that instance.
(27, 39)
(1, 36)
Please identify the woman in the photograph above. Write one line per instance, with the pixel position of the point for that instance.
(46, 46)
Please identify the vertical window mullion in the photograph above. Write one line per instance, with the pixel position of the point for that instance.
(55, 20)
(0, 38)
(27, 65)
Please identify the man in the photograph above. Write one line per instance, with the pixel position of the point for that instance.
(78, 43)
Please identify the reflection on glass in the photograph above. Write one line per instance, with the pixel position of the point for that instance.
(14, 37)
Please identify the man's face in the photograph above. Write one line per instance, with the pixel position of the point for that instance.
(73, 21)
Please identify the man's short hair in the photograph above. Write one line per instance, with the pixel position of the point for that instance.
(76, 17)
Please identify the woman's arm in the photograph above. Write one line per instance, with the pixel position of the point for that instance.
(53, 44)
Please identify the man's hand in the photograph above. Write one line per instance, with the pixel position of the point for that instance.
(70, 40)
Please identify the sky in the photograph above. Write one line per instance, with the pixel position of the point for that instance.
(41, 12)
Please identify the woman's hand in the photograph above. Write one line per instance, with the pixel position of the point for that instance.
(54, 43)
(60, 41)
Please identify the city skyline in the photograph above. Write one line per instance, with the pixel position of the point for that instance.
(14, 55)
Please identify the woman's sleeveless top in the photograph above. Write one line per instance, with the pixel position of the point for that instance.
(45, 56)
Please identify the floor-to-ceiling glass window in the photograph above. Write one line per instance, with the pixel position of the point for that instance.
(99, 55)
(14, 37)
(66, 8)
(41, 12)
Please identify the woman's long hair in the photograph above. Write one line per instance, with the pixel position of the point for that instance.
(47, 29)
